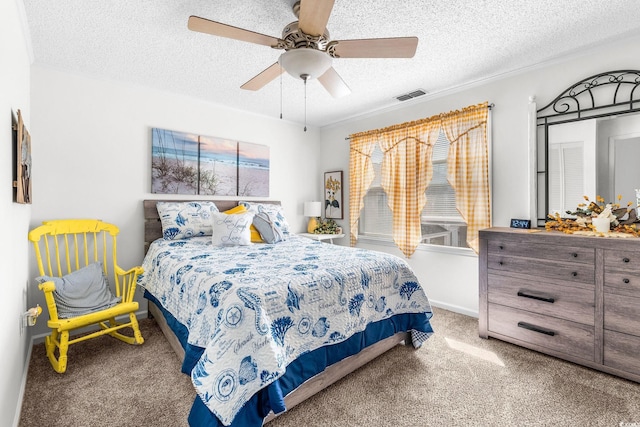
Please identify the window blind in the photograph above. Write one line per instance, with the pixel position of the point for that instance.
(376, 218)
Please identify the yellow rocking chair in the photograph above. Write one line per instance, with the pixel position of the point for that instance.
(70, 248)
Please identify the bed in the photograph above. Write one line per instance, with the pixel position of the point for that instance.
(262, 327)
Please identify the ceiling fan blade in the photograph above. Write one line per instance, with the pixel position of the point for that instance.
(263, 78)
(314, 15)
(223, 30)
(334, 84)
(395, 47)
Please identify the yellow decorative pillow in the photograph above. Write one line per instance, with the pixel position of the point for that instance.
(255, 235)
(236, 210)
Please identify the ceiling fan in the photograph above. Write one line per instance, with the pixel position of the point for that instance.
(309, 51)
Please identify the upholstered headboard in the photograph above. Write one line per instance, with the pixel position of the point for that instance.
(153, 226)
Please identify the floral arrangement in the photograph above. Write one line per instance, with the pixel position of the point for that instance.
(621, 219)
(326, 226)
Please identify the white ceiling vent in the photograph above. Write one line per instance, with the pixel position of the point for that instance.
(416, 93)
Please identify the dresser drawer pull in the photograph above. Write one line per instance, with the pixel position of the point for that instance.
(575, 255)
(625, 259)
(535, 328)
(625, 280)
(501, 247)
(574, 273)
(545, 299)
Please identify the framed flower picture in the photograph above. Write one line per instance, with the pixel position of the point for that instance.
(333, 195)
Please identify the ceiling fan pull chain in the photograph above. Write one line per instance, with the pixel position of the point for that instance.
(281, 92)
(305, 77)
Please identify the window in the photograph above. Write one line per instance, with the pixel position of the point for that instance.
(441, 223)
(408, 151)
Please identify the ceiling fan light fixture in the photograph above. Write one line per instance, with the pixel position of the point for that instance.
(305, 61)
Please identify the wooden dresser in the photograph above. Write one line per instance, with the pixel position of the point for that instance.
(572, 297)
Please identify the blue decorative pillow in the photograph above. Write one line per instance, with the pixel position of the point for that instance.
(275, 211)
(232, 230)
(182, 220)
(84, 291)
(265, 223)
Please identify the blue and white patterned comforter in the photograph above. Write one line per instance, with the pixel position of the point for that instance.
(256, 308)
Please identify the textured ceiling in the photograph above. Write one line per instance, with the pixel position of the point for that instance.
(147, 42)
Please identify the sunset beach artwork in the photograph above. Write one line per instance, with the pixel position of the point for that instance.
(187, 163)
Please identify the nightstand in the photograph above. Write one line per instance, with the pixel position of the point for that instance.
(321, 237)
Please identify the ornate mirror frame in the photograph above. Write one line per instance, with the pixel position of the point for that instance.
(606, 94)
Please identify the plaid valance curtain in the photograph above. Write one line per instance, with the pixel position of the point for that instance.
(468, 167)
(407, 170)
(361, 176)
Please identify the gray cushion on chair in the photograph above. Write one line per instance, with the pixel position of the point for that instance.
(84, 291)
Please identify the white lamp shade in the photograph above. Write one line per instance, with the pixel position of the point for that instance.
(312, 209)
(305, 61)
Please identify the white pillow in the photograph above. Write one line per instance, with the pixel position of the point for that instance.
(232, 230)
(275, 211)
(181, 220)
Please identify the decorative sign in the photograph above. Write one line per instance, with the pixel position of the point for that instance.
(23, 162)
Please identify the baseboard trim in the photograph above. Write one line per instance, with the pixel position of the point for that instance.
(454, 308)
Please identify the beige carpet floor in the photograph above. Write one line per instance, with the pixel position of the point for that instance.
(455, 379)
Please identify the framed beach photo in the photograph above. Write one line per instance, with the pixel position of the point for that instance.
(189, 163)
(333, 195)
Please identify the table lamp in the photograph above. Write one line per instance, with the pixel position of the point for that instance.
(312, 210)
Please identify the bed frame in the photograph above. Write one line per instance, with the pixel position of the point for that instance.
(333, 373)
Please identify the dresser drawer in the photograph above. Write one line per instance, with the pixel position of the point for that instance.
(542, 251)
(622, 314)
(621, 351)
(621, 260)
(527, 267)
(559, 335)
(565, 302)
(622, 282)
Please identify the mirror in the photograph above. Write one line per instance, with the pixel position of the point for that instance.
(588, 144)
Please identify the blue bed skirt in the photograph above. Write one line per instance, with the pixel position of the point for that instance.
(271, 398)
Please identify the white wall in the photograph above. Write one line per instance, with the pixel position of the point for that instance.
(451, 280)
(92, 155)
(14, 96)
